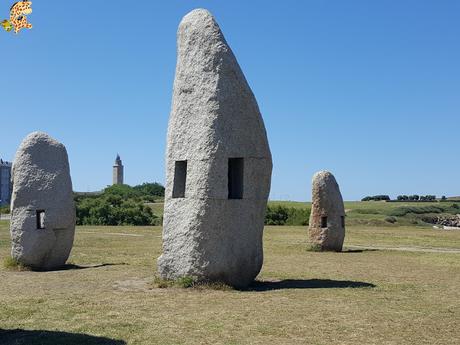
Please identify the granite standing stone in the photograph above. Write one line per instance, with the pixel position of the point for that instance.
(42, 207)
(327, 218)
(218, 163)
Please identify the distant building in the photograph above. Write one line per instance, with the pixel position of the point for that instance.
(118, 171)
(5, 182)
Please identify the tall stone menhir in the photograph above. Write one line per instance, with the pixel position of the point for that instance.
(218, 163)
(327, 218)
(42, 207)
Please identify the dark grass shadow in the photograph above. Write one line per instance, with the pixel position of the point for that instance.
(69, 267)
(358, 250)
(25, 337)
(306, 284)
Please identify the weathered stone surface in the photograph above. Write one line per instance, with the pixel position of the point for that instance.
(214, 117)
(327, 233)
(41, 182)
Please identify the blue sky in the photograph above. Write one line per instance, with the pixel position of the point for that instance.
(369, 90)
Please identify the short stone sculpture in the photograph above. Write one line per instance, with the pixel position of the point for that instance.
(218, 163)
(327, 218)
(42, 207)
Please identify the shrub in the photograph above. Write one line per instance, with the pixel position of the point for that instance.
(276, 215)
(404, 210)
(113, 210)
(119, 205)
(391, 220)
(4, 209)
(314, 248)
(430, 219)
(13, 265)
(298, 216)
(185, 282)
(365, 211)
(151, 189)
(281, 215)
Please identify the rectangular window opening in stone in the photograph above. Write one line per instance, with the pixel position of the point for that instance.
(343, 221)
(180, 179)
(235, 178)
(324, 222)
(40, 219)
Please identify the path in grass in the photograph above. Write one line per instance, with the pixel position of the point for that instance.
(410, 249)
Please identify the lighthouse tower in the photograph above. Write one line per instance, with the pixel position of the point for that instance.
(118, 171)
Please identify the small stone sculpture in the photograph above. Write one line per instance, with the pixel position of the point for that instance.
(42, 206)
(327, 218)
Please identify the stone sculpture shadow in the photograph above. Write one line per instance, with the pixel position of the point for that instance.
(307, 284)
(42, 337)
(69, 267)
(358, 250)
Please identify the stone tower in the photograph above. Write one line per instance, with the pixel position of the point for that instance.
(118, 171)
(327, 218)
(42, 208)
(218, 163)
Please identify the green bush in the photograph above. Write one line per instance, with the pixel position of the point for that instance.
(113, 210)
(281, 215)
(404, 210)
(151, 189)
(13, 265)
(391, 220)
(366, 211)
(298, 216)
(4, 209)
(119, 205)
(453, 209)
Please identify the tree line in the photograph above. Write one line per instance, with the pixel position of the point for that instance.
(414, 197)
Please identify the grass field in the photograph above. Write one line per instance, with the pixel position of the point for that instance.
(377, 213)
(357, 297)
(372, 213)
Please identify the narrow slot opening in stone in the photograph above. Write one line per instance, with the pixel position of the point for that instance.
(343, 221)
(324, 222)
(40, 219)
(235, 178)
(180, 179)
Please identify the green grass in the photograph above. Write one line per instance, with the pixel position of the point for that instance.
(377, 213)
(13, 265)
(109, 295)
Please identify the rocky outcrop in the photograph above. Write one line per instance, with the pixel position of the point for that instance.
(449, 221)
(327, 218)
(42, 207)
(218, 163)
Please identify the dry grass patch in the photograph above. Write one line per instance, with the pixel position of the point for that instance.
(13, 265)
(108, 296)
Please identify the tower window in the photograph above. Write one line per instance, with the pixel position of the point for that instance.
(324, 222)
(40, 219)
(343, 221)
(235, 178)
(180, 179)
